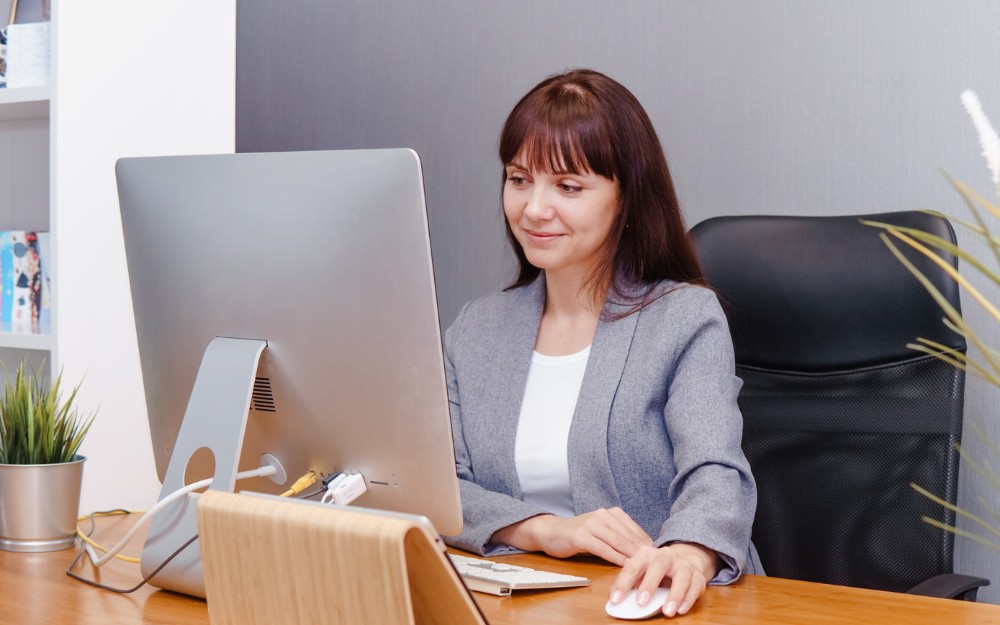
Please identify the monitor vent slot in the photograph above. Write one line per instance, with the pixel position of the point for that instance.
(262, 398)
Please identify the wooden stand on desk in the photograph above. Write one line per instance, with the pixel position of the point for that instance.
(270, 561)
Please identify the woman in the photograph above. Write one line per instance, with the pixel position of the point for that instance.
(594, 401)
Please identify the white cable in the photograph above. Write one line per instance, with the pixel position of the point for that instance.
(177, 494)
(90, 551)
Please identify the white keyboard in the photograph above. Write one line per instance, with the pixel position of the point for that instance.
(497, 578)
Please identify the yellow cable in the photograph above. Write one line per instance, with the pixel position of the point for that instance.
(90, 541)
(301, 484)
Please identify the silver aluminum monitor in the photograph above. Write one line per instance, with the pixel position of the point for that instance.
(324, 258)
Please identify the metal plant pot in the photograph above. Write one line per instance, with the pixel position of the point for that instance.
(39, 505)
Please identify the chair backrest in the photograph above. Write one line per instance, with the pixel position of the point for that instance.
(840, 416)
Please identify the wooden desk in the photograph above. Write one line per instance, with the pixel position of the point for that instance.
(35, 590)
(752, 600)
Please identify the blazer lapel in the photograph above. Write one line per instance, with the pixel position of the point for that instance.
(508, 377)
(591, 479)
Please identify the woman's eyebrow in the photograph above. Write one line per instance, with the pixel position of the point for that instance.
(557, 172)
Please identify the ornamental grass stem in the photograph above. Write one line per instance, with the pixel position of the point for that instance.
(36, 426)
(922, 242)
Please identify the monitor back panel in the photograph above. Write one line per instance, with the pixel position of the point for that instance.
(326, 256)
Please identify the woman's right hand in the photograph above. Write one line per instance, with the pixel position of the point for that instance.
(607, 533)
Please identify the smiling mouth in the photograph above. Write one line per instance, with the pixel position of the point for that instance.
(542, 235)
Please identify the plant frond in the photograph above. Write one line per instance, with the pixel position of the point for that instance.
(955, 358)
(957, 510)
(951, 326)
(981, 435)
(970, 198)
(952, 273)
(970, 194)
(971, 227)
(943, 245)
(982, 471)
(942, 301)
(963, 533)
(990, 510)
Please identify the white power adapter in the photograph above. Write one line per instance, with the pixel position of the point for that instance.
(345, 489)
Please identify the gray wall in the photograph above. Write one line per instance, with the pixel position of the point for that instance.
(802, 107)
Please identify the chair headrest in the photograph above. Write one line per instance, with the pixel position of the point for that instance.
(815, 294)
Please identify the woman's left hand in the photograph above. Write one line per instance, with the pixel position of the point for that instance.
(688, 566)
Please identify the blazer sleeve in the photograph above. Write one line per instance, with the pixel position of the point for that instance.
(484, 511)
(713, 493)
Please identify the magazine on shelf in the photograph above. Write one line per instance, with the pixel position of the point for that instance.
(24, 283)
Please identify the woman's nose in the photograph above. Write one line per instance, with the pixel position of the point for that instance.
(538, 207)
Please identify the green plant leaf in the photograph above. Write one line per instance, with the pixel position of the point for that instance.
(36, 426)
(926, 243)
(962, 533)
(941, 244)
(971, 199)
(957, 510)
(953, 315)
(954, 358)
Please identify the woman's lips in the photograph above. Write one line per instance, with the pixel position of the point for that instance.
(541, 237)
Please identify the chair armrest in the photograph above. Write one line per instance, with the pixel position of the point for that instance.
(950, 586)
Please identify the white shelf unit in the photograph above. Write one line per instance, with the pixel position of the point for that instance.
(40, 341)
(122, 84)
(24, 103)
(24, 136)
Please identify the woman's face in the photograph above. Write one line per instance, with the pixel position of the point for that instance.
(561, 219)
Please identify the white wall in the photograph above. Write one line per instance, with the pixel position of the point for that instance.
(764, 106)
(130, 79)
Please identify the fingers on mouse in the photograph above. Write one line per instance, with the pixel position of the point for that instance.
(629, 609)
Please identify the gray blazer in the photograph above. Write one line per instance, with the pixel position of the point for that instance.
(656, 429)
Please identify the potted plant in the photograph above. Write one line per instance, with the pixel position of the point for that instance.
(984, 361)
(40, 470)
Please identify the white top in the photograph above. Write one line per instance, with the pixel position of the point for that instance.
(541, 448)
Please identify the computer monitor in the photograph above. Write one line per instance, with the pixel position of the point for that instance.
(318, 264)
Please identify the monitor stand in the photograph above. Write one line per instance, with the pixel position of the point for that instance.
(215, 419)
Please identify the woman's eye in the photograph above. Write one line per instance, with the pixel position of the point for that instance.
(517, 180)
(570, 188)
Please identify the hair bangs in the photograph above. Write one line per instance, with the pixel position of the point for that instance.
(563, 135)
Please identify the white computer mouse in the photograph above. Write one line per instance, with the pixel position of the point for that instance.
(628, 608)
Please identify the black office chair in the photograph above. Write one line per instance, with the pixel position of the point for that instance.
(839, 415)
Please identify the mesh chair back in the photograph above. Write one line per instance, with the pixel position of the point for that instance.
(839, 415)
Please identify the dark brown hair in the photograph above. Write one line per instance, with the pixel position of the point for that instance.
(582, 121)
